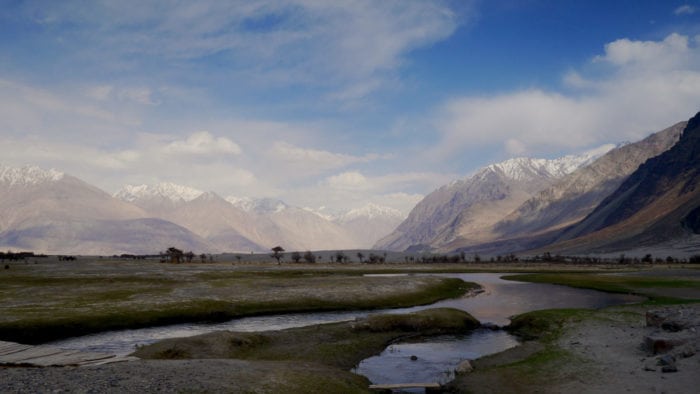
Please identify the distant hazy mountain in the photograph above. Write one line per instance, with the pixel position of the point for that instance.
(295, 228)
(467, 209)
(658, 203)
(368, 224)
(52, 212)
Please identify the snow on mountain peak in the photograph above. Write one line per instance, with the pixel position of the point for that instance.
(522, 168)
(167, 190)
(258, 205)
(372, 211)
(28, 175)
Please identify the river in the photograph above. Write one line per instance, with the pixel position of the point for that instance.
(435, 358)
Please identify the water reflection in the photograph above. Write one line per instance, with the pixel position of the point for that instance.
(435, 358)
(502, 299)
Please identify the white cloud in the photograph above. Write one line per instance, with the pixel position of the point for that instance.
(645, 86)
(202, 143)
(315, 158)
(650, 54)
(685, 9)
(351, 180)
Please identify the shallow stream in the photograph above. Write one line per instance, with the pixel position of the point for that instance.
(435, 358)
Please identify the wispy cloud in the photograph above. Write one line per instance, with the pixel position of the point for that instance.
(338, 44)
(685, 9)
(316, 160)
(202, 143)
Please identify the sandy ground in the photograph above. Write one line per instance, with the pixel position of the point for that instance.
(616, 359)
(168, 376)
(604, 353)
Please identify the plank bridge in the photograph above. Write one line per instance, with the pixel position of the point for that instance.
(46, 356)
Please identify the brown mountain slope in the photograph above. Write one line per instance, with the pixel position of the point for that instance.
(658, 203)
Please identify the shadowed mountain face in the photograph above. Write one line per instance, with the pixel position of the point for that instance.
(539, 219)
(657, 203)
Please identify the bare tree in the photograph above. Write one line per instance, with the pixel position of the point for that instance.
(277, 253)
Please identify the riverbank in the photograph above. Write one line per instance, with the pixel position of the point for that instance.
(551, 363)
(616, 349)
(53, 300)
(315, 359)
(602, 351)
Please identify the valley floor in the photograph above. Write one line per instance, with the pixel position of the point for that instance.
(575, 351)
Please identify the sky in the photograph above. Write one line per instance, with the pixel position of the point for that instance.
(333, 104)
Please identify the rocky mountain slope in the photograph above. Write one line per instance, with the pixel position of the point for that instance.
(467, 209)
(658, 203)
(536, 222)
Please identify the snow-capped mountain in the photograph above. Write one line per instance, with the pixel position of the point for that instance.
(469, 207)
(167, 190)
(655, 209)
(523, 168)
(574, 196)
(27, 175)
(51, 212)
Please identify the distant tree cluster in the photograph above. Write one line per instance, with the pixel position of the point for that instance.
(176, 256)
(14, 256)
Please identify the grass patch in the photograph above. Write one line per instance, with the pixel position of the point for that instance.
(55, 308)
(339, 345)
(544, 325)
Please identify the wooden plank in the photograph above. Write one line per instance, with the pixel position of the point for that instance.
(397, 386)
(26, 355)
(10, 347)
(68, 358)
(15, 353)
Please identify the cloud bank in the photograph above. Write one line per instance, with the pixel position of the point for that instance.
(635, 88)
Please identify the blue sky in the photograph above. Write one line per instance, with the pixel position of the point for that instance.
(337, 103)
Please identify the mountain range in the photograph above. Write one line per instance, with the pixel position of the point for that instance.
(636, 196)
(465, 211)
(53, 212)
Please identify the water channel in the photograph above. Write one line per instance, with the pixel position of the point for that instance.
(435, 358)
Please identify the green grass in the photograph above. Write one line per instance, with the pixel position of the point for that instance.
(37, 309)
(339, 345)
(544, 325)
